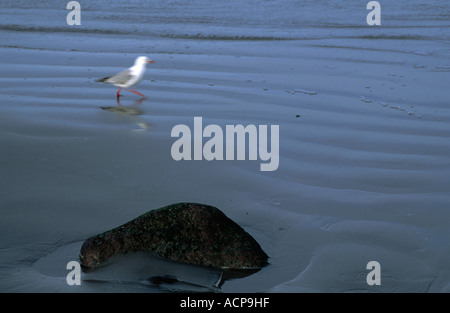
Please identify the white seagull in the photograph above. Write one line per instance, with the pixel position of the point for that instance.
(129, 77)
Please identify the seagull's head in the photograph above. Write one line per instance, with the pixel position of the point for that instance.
(143, 60)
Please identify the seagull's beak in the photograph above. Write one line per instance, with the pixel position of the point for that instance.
(150, 61)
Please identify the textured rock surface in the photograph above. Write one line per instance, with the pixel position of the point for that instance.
(185, 232)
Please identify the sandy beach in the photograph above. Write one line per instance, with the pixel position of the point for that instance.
(364, 127)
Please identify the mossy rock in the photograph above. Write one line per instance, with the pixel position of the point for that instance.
(185, 232)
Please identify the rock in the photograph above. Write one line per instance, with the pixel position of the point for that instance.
(184, 232)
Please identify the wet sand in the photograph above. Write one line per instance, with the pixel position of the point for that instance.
(364, 154)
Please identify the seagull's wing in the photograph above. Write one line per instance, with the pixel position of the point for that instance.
(120, 78)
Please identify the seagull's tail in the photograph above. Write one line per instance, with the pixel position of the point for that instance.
(102, 80)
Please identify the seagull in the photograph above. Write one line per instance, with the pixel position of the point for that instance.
(129, 77)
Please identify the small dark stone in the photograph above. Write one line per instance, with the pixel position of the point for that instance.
(163, 279)
(184, 232)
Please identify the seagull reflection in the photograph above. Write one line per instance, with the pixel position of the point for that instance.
(128, 110)
(133, 109)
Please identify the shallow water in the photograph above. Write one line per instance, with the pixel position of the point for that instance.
(364, 137)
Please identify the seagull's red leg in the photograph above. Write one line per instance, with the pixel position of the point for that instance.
(118, 93)
(136, 92)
